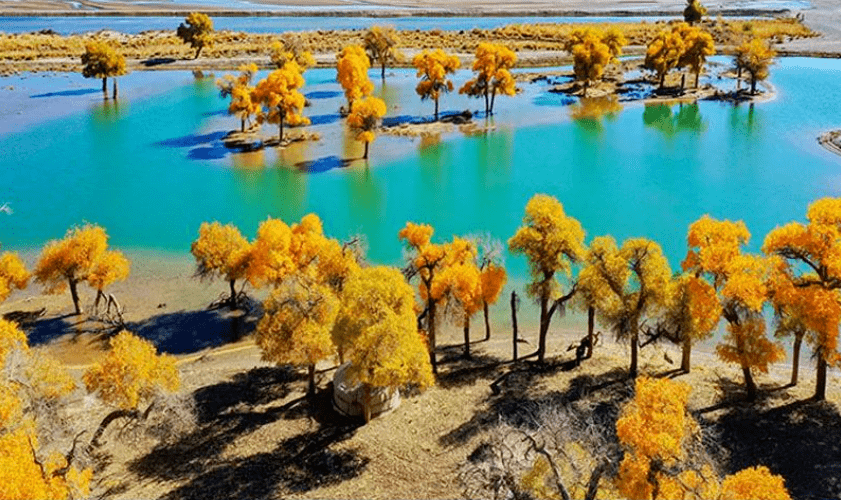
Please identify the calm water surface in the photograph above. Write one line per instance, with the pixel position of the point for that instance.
(152, 167)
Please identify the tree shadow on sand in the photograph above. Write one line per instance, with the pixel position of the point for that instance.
(800, 440)
(185, 332)
(235, 408)
(516, 404)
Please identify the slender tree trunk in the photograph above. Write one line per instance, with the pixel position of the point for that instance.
(311, 379)
(685, 361)
(242, 124)
(430, 321)
(682, 82)
(752, 85)
(105, 88)
(436, 109)
(697, 77)
(749, 383)
(280, 126)
(820, 377)
(487, 105)
(662, 80)
(493, 99)
(99, 295)
(114, 415)
(544, 328)
(487, 321)
(198, 51)
(382, 74)
(586, 85)
(591, 323)
(466, 336)
(233, 302)
(634, 354)
(795, 362)
(514, 322)
(365, 156)
(74, 294)
(114, 95)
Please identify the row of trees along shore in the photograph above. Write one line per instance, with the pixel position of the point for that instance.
(326, 301)
(628, 288)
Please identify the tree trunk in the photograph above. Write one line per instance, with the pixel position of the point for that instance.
(662, 80)
(752, 85)
(487, 105)
(74, 294)
(685, 361)
(820, 378)
(795, 362)
(430, 321)
(99, 295)
(242, 124)
(544, 328)
(365, 156)
(591, 323)
(383, 71)
(198, 51)
(682, 82)
(586, 84)
(436, 109)
(634, 355)
(114, 415)
(311, 379)
(114, 95)
(280, 126)
(749, 383)
(493, 99)
(487, 321)
(105, 88)
(514, 322)
(233, 300)
(466, 336)
(697, 77)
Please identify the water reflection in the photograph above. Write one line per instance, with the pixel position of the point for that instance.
(107, 112)
(745, 120)
(660, 117)
(249, 160)
(589, 112)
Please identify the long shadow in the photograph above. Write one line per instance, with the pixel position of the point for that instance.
(516, 405)
(157, 61)
(185, 332)
(462, 372)
(191, 141)
(46, 330)
(800, 441)
(217, 151)
(322, 94)
(324, 119)
(234, 408)
(67, 93)
(322, 165)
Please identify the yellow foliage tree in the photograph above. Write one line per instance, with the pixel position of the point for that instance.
(462, 283)
(352, 72)
(13, 274)
(74, 259)
(279, 93)
(290, 48)
(664, 457)
(693, 312)
(197, 30)
(222, 251)
(755, 57)
(381, 45)
(433, 68)
(132, 373)
(663, 53)
(493, 278)
(806, 283)
(26, 469)
(552, 242)
(239, 89)
(113, 266)
(377, 330)
(493, 76)
(626, 285)
(740, 282)
(365, 116)
(592, 50)
(101, 60)
(297, 324)
(697, 46)
(694, 12)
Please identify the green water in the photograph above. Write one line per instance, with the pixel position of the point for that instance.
(152, 168)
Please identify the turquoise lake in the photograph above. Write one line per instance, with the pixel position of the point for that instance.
(152, 167)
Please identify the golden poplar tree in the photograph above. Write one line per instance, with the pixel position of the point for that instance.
(75, 259)
(13, 274)
(806, 283)
(377, 330)
(552, 242)
(364, 118)
(694, 12)
(664, 456)
(741, 284)
(241, 92)
(461, 282)
(279, 93)
(290, 48)
(626, 286)
(113, 266)
(28, 469)
(433, 68)
(222, 251)
(693, 313)
(197, 30)
(101, 60)
(132, 374)
(492, 65)
(755, 57)
(352, 73)
(697, 46)
(663, 53)
(381, 45)
(493, 278)
(592, 50)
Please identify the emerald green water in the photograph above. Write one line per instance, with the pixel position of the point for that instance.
(152, 168)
